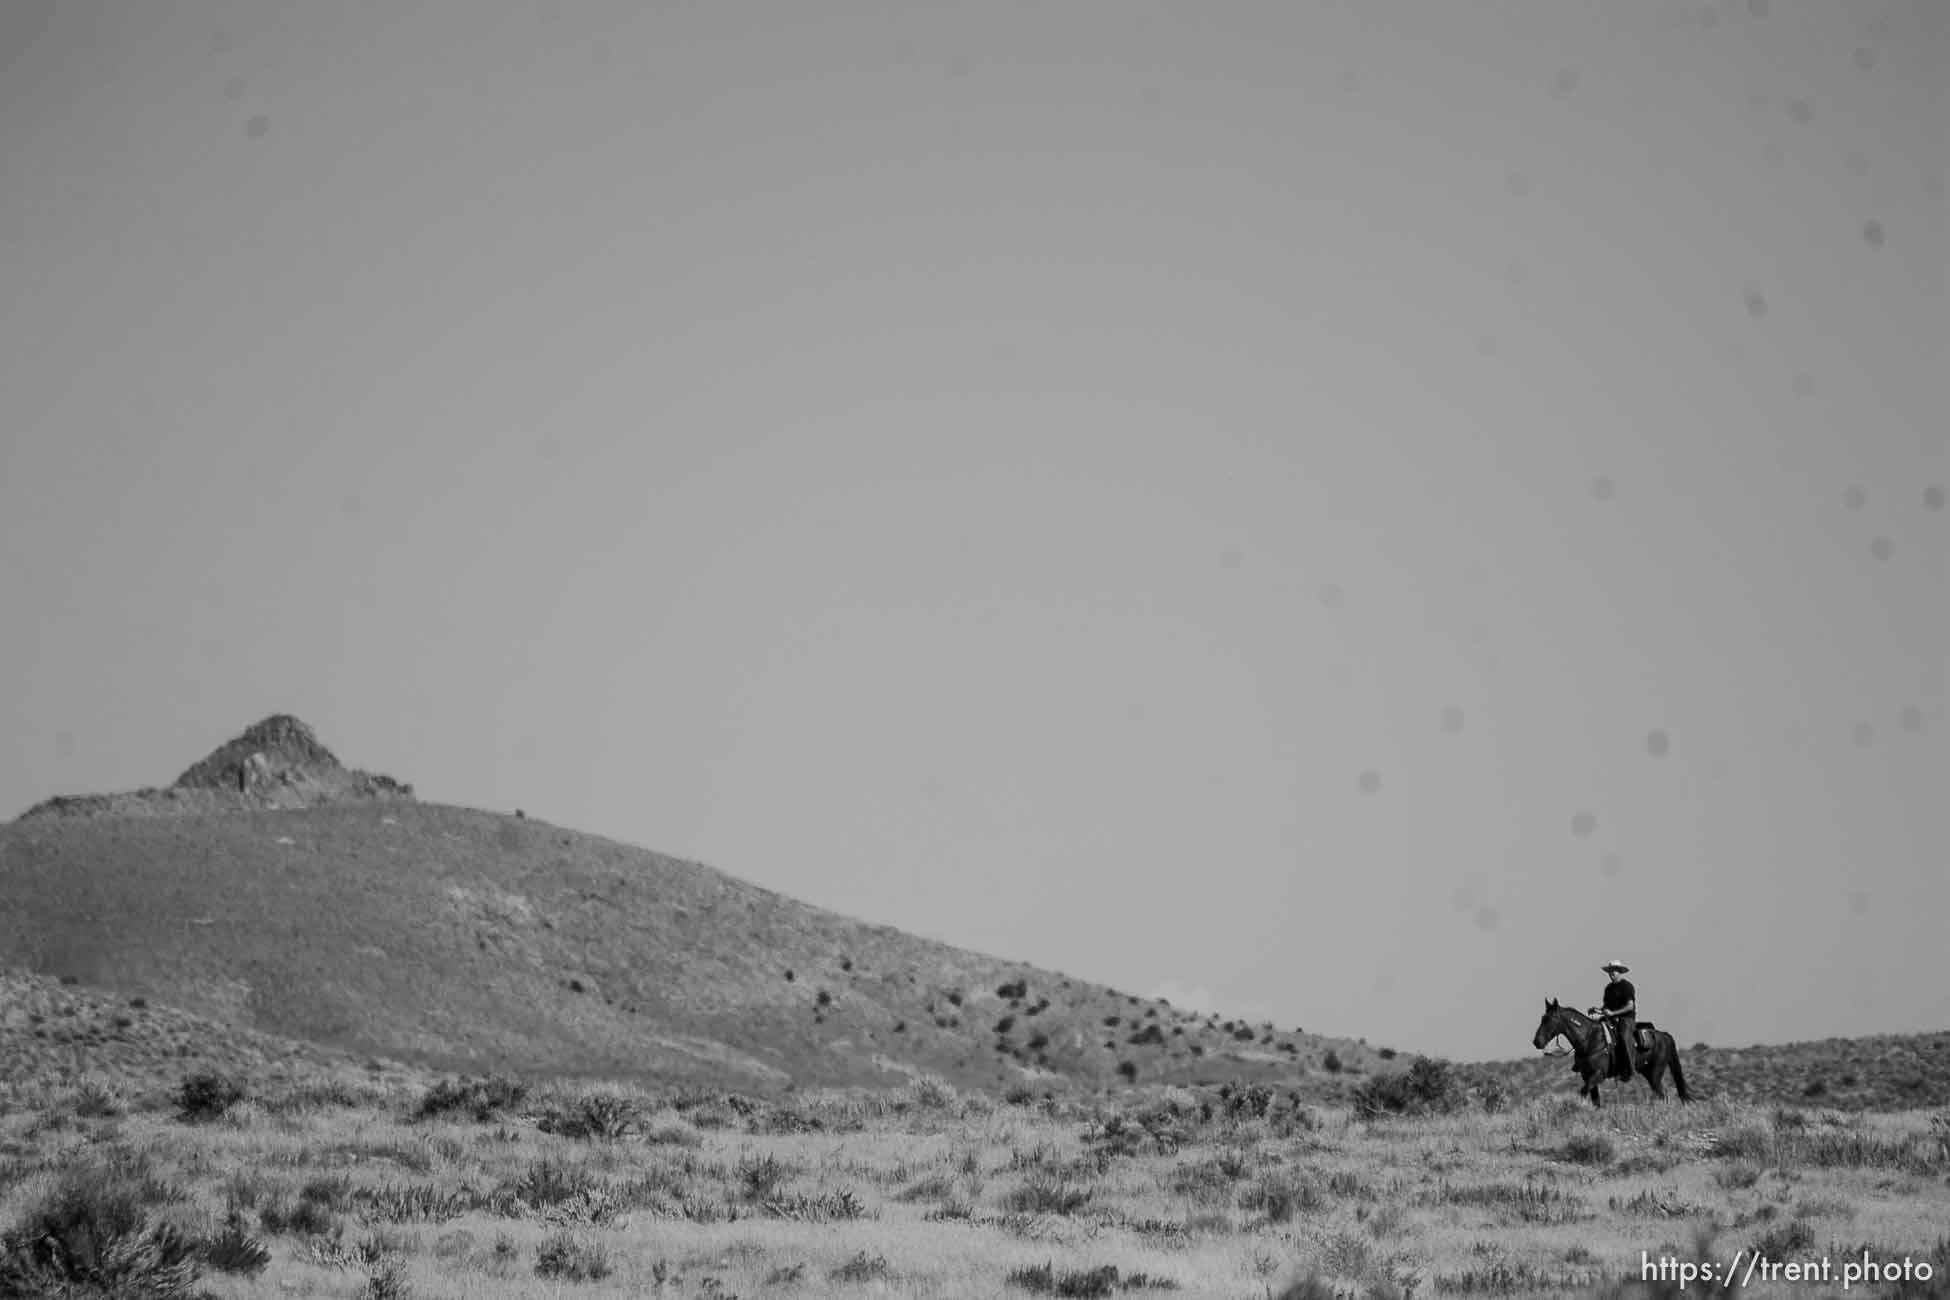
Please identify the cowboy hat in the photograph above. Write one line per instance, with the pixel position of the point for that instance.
(1615, 965)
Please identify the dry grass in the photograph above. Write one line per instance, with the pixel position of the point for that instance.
(926, 1191)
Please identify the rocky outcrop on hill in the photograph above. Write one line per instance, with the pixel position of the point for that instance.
(282, 755)
(277, 763)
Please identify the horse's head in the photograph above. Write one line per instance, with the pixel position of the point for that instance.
(1547, 1027)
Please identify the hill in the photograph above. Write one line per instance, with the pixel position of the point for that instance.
(51, 1030)
(273, 895)
(337, 909)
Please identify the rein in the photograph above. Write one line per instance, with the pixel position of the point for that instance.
(1569, 1020)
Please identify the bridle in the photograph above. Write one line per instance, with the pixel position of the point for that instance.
(1559, 1037)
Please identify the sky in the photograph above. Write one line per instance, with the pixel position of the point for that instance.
(1346, 514)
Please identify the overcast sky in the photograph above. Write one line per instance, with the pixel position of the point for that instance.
(1351, 513)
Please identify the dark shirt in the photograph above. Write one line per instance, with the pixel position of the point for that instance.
(1619, 993)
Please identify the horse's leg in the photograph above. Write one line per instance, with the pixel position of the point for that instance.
(1672, 1059)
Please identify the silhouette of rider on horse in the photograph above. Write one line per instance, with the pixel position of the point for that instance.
(1620, 1010)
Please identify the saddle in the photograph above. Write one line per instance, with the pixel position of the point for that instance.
(1641, 1035)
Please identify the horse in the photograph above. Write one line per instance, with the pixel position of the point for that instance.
(1592, 1051)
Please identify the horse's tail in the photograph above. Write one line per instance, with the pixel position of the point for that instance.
(1678, 1075)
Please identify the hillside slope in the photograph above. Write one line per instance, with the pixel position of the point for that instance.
(52, 1032)
(457, 939)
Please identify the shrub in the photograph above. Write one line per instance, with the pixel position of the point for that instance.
(409, 1203)
(207, 1096)
(1005, 1024)
(1129, 1070)
(310, 1217)
(1794, 1237)
(1043, 1279)
(94, 1100)
(93, 1230)
(567, 1256)
(385, 1276)
(548, 1181)
(1044, 1193)
(1014, 989)
(861, 1268)
(1252, 1101)
(931, 1093)
(1589, 1149)
(592, 1115)
(1434, 1082)
(1332, 1062)
(480, 1099)
(1427, 1087)
(333, 1191)
(762, 1177)
(234, 1250)
(1281, 1196)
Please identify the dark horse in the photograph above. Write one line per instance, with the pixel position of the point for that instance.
(1592, 1053)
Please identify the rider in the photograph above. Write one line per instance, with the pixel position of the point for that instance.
(1621, 1008)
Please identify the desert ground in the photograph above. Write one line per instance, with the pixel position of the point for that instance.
(461, 1187)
